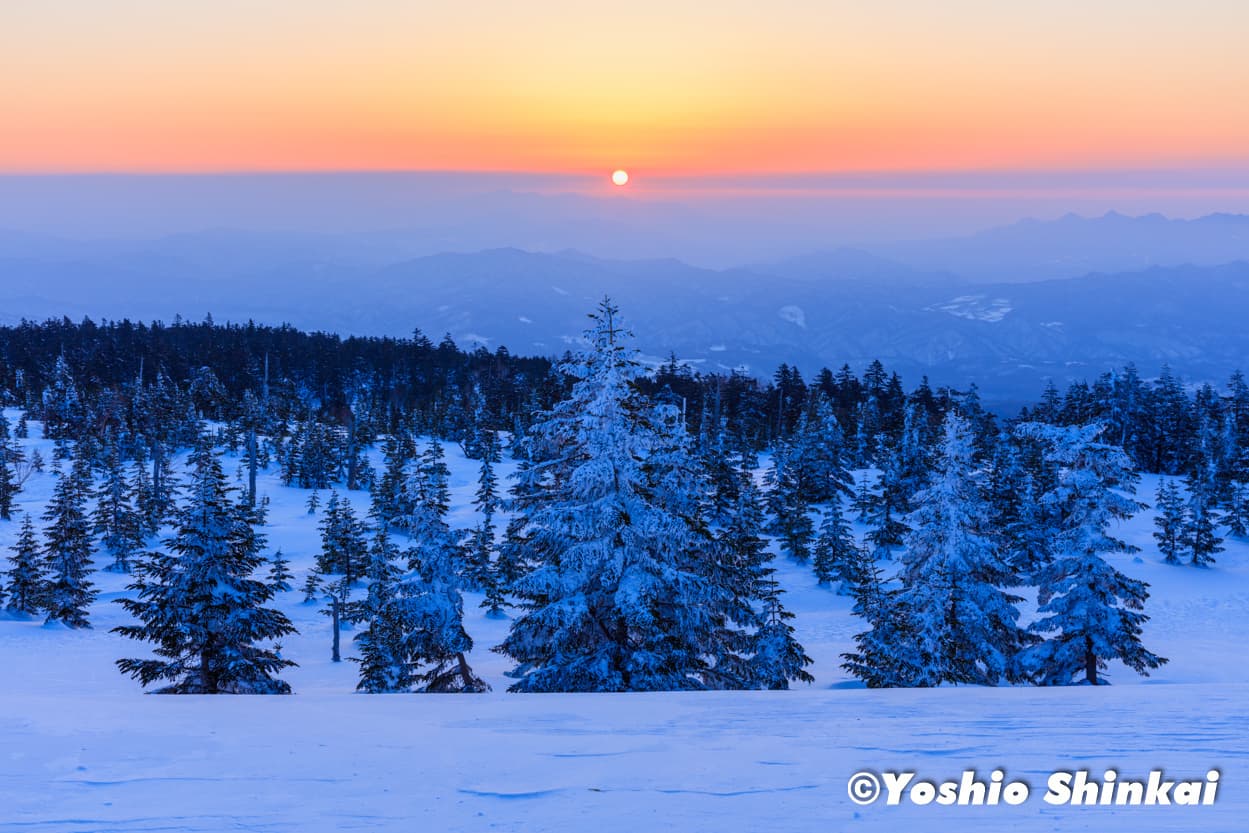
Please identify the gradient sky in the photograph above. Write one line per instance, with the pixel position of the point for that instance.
(661, 87)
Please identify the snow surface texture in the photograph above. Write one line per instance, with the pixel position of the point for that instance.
(83, 750)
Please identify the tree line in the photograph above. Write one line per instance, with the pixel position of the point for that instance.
(635, 549)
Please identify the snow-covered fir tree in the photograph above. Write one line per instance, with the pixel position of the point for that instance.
(26, 584)
(280, 574)
(10, 457)
(621, 597)
(771, 657)
(385, 659)
(1201, 538)
(510, 564)
(1090, 613)
(67, 549)
(200, 603)
(389, 500)
(479, 570)
(116, 521)
(963, 627)
(835, 549)
(344, 545)
(1169, 518)
(791, 511)
(430, 608)
(880, 657)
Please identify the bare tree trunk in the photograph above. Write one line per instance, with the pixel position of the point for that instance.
(352, 473)
(1090, 662)
(251, 463)
(335, 656)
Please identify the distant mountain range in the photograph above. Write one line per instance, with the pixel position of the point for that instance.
(1006, 308)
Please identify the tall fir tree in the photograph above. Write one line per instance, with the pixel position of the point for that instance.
(771, 657)
(67, 550)
(617, 600)
(880, 657)
(791, 511)
(1090, 613)
(1170, 519)
(383, 643)
(10, 458)
(200, 603)
(964, 622)
(27, 585)
(116, 521)
(479, 568)
(1201, 538)
(835, 548)
(344, 546)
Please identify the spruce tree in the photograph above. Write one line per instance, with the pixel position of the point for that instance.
(509, 565)
(1201, 539)
(791, 512)
(312, 586)
(67, 551)
(964, 623)
(280, 574)
(618, 600)
(884, 655)
(479, 570)
(1090, 613)
(835, 548)
(385, 656)
(199, 602)
(10, 457)
(430, 608)
(771, 657)
(344, 548)
(1170, 520)
(116, 521)
(27, 585)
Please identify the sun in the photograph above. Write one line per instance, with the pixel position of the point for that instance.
(619, 178)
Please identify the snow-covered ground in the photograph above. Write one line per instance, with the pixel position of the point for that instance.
(82, 749)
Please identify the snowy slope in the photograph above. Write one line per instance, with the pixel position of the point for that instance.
(84, 750)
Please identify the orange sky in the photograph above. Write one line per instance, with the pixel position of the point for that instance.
(662, 87)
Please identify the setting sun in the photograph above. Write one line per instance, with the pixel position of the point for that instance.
(620, 177)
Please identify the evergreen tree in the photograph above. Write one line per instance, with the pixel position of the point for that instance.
(1201, 537)
(882, 655)
(344, 549)
(385, 656)
(143, 499)
(67, 550)
(617, 600)
(791, 513)
(964, 623)
(771, 657)
(430, 608)
(510, 564)
(479, 572)
(116, 521)
(835, 548)
(27, 585)
(280, 574)
(62, 407)
(1170, 520)
(1090, 612)
(312, 586)
(10, 457)
(199, 602)
(389, 500)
